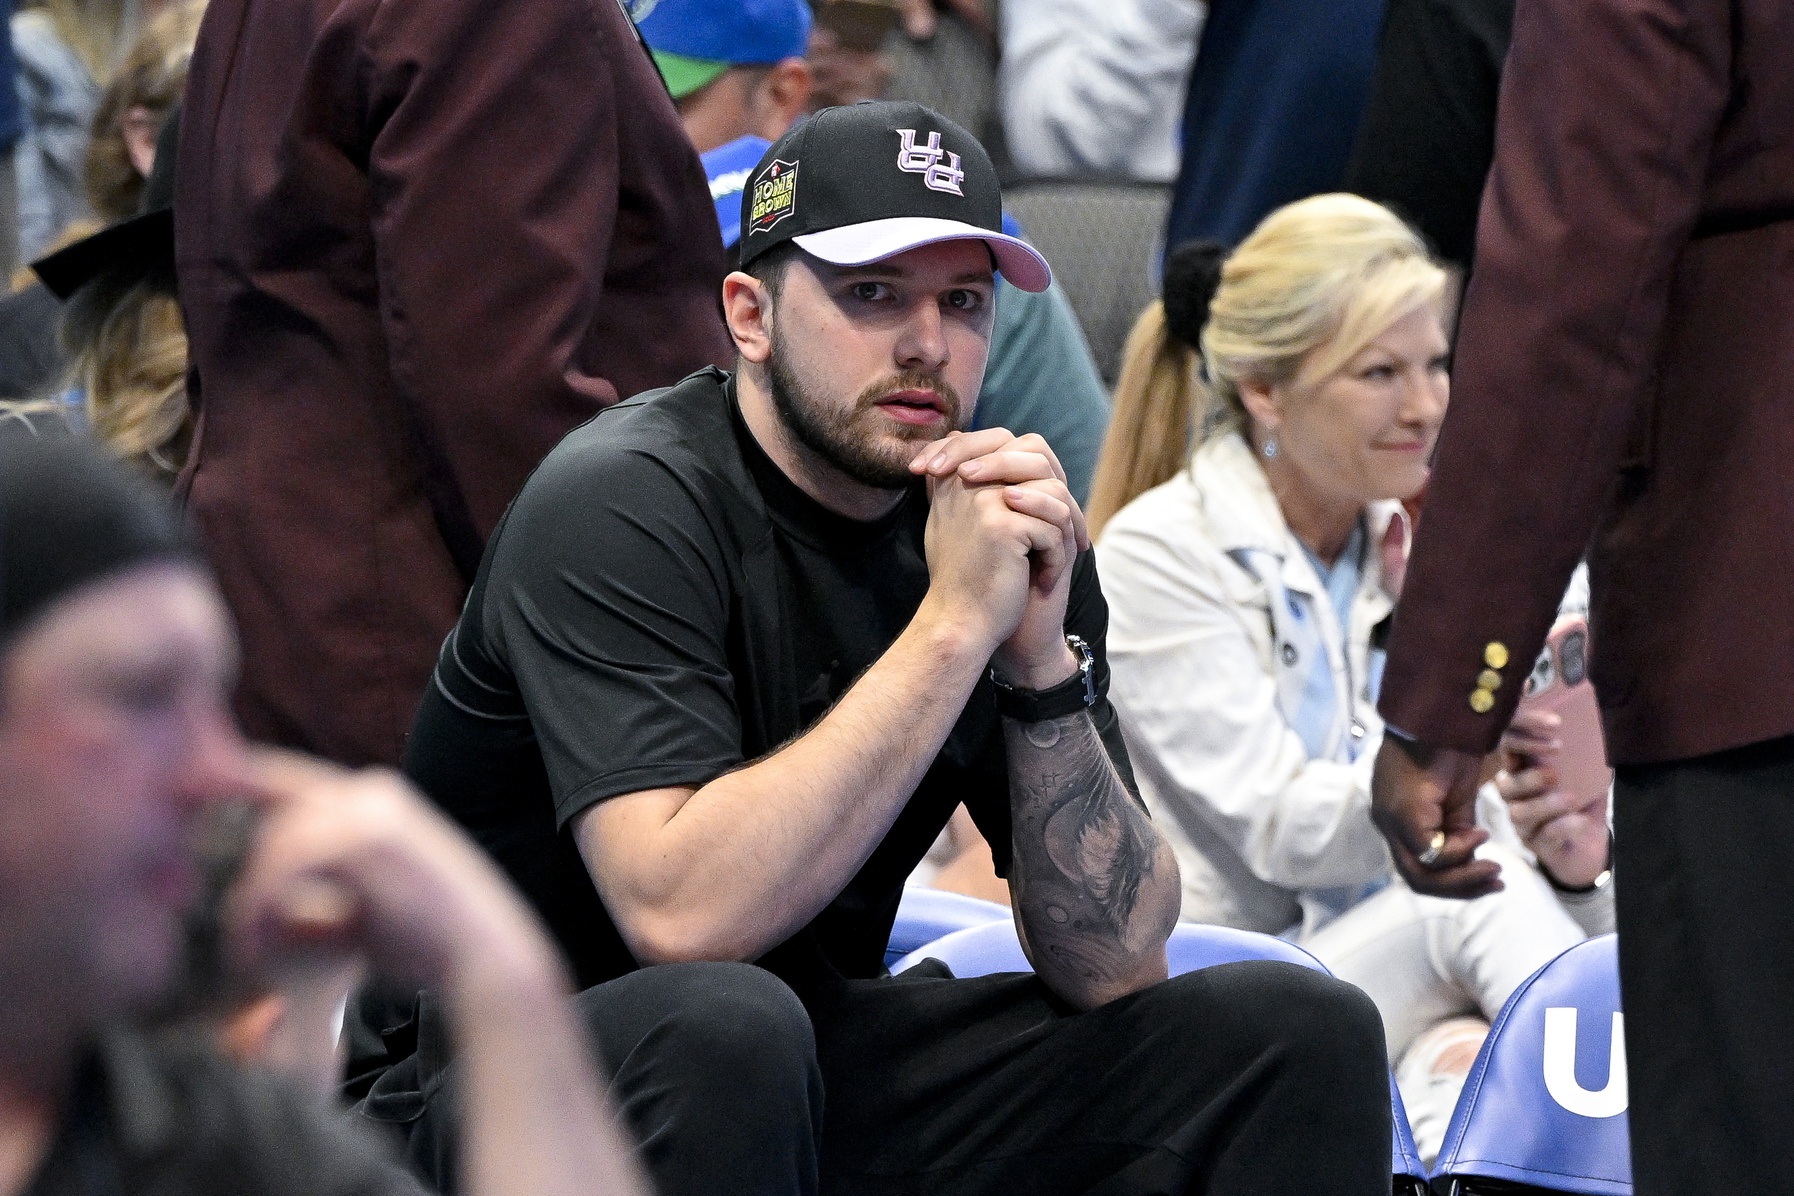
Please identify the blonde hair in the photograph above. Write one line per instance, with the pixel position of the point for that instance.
(1316, 281)
(151, 77)
(130, 360)
(128, 354)
(1153, 419)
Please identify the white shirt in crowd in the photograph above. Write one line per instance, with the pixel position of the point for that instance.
(1216, 615)
(1097, 86)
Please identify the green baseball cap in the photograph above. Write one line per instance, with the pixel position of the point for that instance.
(686, 75)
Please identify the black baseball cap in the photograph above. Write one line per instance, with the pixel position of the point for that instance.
(867, 181)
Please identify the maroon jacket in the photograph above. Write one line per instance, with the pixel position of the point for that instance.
(417, 242)
(1624, 383)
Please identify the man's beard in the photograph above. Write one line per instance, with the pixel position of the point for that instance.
(846, 437)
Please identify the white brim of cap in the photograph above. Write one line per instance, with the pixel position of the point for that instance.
(876, 240)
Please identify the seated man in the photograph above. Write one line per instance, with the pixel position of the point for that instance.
(1040, 376)
(116, 662)
(741, 646)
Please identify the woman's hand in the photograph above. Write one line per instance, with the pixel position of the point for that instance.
(1567, 832)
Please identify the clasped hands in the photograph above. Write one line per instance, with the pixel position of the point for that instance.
(1003, 534)
(1424, 797)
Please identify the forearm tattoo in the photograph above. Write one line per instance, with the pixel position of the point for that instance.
(1089, 866)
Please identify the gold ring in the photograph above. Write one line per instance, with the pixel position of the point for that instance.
(1430, 856)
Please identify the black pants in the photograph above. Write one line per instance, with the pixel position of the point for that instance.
(1252, 1077)
(1706, 906)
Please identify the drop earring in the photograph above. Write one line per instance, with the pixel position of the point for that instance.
(1270, 449)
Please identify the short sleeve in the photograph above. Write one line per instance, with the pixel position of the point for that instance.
(609, 600)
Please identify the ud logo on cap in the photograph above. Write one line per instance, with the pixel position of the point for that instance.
(775, 196)
(926, 161)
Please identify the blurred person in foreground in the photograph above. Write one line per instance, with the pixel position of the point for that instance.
(1249, 596)
(116, 739)
(416, 244)
(1624, 381)
(741, 648)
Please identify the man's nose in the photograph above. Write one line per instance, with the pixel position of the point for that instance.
(217, 767)
(923, 344)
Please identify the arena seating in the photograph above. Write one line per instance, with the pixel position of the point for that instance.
(955, 73)
(1104, 241)
(925, 915)
(1545, 1105)
(994, 947)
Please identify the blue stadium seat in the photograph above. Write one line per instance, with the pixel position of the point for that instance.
(1545, 1104)
(1404, 1161)
(924, 915)
(994, 947)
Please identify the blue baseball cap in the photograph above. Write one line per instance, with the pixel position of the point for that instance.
(728, 167)
(694, 41)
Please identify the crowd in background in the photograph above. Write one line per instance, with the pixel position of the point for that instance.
(340, 292)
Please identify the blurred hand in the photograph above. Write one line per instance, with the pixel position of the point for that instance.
(1419, 793)
(356, 864)
(1567, 832)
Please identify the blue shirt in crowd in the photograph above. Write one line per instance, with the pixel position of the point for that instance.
(1275, 98)
(1319, 700)
(12, 121)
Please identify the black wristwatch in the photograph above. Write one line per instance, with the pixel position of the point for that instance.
(1077, 692)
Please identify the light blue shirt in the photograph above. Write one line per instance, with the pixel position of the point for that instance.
(1319, 700)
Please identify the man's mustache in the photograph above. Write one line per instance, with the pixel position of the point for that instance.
(878, 392)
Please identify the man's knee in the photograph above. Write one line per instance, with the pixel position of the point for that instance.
(705, 1027)
(1307, 1019)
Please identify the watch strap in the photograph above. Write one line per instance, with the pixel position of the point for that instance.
(1077, 692)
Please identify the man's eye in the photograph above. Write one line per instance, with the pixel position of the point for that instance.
(964, 300)
(148, 694)
(869, 292)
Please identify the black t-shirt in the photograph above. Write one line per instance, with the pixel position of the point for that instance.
(154, 1116)
(659, 605)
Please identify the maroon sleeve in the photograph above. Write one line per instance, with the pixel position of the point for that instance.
(1607, 120)
(497, 186)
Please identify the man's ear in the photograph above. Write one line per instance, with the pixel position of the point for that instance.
(747, 308)
(1263, 403)
(784, 96)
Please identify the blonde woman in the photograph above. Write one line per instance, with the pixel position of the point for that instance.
(1247, 596)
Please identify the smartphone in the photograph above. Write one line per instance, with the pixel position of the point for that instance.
(1559, 683)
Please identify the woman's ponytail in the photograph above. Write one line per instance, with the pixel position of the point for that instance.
(1160, 398)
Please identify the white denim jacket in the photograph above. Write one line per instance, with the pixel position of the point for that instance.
(1215, 614)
